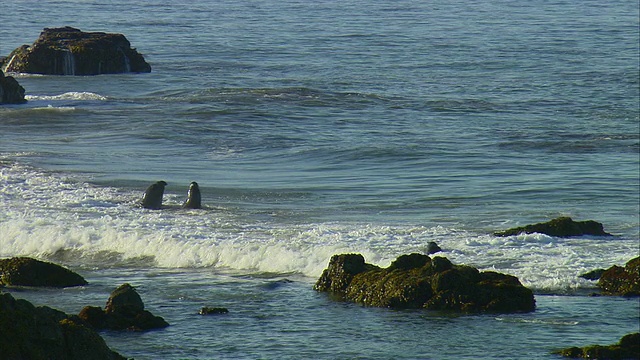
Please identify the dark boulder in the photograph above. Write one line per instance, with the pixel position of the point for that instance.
(417, 281)
(124, 310)
(433, 248)
(29, 332)
(560, 227)
(10, 91)
(627, 348)
(24, 271)
(622, 281)
(69, 51)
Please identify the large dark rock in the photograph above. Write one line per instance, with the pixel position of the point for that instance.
(560, 227)
(417, 281)
(10, 91)
(622, 281)
(24, 271)
(35, 333)
(627, 348)
(124, 310)
(69, 51)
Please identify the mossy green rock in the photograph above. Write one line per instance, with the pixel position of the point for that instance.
(25, 271)
(417, 281)
(622, 281)
(70, 51)
(39, 333)
(627, 348)
(560, 227)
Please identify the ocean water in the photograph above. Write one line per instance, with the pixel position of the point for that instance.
(318, 128)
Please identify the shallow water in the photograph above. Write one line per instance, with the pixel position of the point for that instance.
(324, 128)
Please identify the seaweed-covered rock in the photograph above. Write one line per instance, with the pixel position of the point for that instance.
(623, 281)
(417, 281)
(70, 51)
(29, 332)
(213, 311)
(627, 348)
(124, 310)
(10, 91)
(560, 227)
(25, 271)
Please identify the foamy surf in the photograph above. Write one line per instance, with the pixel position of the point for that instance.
(47, 214)
(73, 95)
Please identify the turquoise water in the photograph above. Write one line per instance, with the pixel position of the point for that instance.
(322, 128)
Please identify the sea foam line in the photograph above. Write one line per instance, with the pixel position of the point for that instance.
(68, 96)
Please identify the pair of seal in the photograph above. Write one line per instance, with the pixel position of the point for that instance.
(152, 198)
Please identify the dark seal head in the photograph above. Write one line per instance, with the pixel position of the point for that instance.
(193, 197)
(152, 198)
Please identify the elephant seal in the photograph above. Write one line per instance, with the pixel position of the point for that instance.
(193, 197)
(152, 198)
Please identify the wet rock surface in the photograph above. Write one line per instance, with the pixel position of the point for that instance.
(25, 271)
(560, 227)
(70, 51)
(35, 333)
(418, 281)
(124, 311)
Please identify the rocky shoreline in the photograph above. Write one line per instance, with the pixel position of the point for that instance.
(414, 281)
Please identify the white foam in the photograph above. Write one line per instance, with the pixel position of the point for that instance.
(44, 214)
(82, 96)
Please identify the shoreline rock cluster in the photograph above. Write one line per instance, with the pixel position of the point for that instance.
(417, 281)
(43, 333)
(30, 332)
(124, 311)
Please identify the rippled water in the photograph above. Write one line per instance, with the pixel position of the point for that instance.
(321, 128)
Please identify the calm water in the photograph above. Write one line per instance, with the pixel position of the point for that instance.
(322, 128)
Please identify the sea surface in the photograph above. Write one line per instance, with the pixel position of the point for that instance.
(326, 127)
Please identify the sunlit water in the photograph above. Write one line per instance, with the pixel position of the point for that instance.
(322, 128)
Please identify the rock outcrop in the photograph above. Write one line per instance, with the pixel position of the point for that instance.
(69, 51)
(627, 348)
(124, 311)
(10, 91)
(39, 333)
(621, 281)
(213, 311)
(25, 271)
(560, 227)
(417, 281)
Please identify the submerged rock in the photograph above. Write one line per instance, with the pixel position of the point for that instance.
(560, 227)
(124, 310)
(417, 281)
(70, 51)
(213, 311)
(25, 271)
(29, 332)
(622, 281)
(627, 348)
(10, 91)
